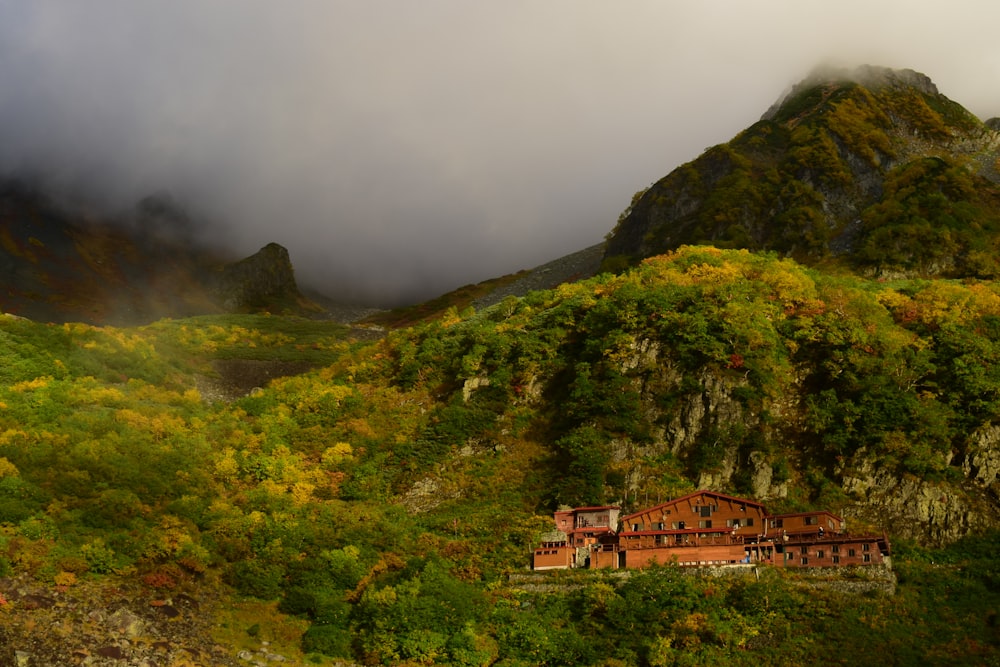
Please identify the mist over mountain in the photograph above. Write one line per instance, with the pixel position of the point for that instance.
(251, 485)
(64, 262)
(399, 150)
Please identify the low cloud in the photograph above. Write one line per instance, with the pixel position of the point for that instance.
(401, 149)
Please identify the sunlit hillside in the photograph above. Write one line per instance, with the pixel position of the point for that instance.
(370, 501)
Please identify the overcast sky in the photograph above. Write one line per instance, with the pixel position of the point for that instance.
(402, 148)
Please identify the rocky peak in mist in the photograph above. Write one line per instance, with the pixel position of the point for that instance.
(869, 76)
(60, 263)
(873, 168)
(259, 281)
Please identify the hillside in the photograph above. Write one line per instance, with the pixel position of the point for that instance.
(71, 264)
(874, 170)
(220, 488)
(338, 511)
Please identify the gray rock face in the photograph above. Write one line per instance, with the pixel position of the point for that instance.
(982, 461)
(263, 277)
(933, 513)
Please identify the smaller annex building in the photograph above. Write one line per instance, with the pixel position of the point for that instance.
(703, 528)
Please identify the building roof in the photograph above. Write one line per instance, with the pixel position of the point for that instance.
(594, 509)
(689, 496)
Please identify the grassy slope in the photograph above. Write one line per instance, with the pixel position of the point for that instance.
(111, 465)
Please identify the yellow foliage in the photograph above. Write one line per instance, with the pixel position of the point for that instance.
(715, 275)
(942, 302)
(31, 385)
(895, 302)
(10, 435)
(302, 492)
(99, 395)
(65, 579)
(272, 487)
(8, 469)
(226, 468)
(337, 454)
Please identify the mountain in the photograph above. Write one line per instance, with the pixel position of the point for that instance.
(872, 169)
(65, 265)
(240, 487)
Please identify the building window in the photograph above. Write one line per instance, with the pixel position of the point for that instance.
(805, 561)
(811, 521)
(804, 550)
(868, 558)
(835, 548)
(658, 526)
(850, 553)
(749, 521)
(705, 523)
(836, 560)
(820, 554)
(636, 527)
(777, 523)
(674, 525)
(829, 523)
(865, 547)
(733, 523)
(706, 511)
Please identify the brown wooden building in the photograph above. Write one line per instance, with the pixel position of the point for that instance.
(705, 511)
(553, 556)
(587, 525)
(579, 532)
(806, 523)
(705, 528)
(832, 550)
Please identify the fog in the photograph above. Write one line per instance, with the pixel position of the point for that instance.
(402, 148)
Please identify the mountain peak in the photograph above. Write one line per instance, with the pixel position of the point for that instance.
(869, 76)
(870, 167)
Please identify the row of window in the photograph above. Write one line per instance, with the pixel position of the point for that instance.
(703, 523)
(807, 520)
(836, 549)
(836, 559)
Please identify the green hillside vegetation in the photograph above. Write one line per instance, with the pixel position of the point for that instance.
(885, 179)
(385, 496)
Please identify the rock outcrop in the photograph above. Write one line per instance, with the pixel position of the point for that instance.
(263, 279)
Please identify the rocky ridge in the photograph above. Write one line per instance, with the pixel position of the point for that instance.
(569, 268)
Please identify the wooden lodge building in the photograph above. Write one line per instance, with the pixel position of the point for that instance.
(704, 528)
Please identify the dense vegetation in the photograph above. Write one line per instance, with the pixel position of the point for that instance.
(887, 179)
(386, 495)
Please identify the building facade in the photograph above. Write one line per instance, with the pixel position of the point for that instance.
(704, 528)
